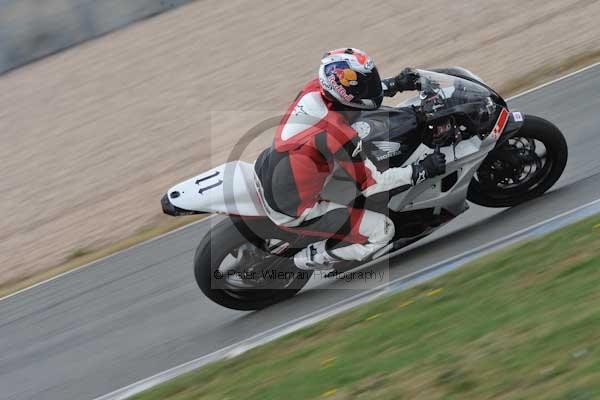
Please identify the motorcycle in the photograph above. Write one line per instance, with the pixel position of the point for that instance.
(495, 158)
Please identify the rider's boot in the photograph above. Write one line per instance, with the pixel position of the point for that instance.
(315, 257)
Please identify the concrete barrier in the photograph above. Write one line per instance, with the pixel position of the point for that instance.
(31, 29)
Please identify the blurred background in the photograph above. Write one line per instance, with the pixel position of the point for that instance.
(31, 29)
(93, 135)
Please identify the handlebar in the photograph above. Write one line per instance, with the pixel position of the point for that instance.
(428, 87)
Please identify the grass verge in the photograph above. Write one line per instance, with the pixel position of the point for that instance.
(84, 256)
(523, 323)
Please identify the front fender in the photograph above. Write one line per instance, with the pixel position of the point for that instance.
(514, 124)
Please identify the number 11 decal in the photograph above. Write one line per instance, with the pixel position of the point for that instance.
(214, 185)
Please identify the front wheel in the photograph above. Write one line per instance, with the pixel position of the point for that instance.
(522, 168)
(237, 274)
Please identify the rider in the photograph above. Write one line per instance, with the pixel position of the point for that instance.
(316, 132)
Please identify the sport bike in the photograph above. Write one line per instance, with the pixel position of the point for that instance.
(495, 158)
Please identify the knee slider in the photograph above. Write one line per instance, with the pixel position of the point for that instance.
(388, 229)
(378, 228)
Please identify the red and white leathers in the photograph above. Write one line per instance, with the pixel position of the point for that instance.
(311, 137)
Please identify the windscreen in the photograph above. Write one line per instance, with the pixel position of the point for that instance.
(441, 95)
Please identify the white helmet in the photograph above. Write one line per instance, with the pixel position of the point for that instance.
(349, 76)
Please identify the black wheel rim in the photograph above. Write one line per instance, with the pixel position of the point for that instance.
(247, 270)
(515, 168)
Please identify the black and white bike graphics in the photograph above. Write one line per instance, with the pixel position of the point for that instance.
(495, 157)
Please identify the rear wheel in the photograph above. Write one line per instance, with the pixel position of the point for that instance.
(522, 168)
(237, 274)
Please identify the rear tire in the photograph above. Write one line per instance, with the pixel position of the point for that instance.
(550, 136)
(214, 248)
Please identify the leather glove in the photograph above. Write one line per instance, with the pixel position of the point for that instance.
(433, 165)
(408, 79)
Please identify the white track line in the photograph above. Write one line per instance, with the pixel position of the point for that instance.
(187, 226)
(543, 85)
(395, 285)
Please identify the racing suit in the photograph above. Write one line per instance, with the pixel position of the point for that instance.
(291, 174)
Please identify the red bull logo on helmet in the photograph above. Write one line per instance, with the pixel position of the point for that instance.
(346, 76)
(339, 89)
(339, 77)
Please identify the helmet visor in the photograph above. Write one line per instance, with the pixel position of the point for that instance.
(370, 89)
(360, 88)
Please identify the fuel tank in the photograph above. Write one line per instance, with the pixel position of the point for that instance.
(389, 135)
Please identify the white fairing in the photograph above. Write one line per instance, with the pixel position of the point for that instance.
(462, 159)
(226, 189)
(230, 188)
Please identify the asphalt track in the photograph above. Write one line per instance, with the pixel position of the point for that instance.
(139, 312)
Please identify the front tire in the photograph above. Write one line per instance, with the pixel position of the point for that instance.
(249, 294)
(502, 182)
